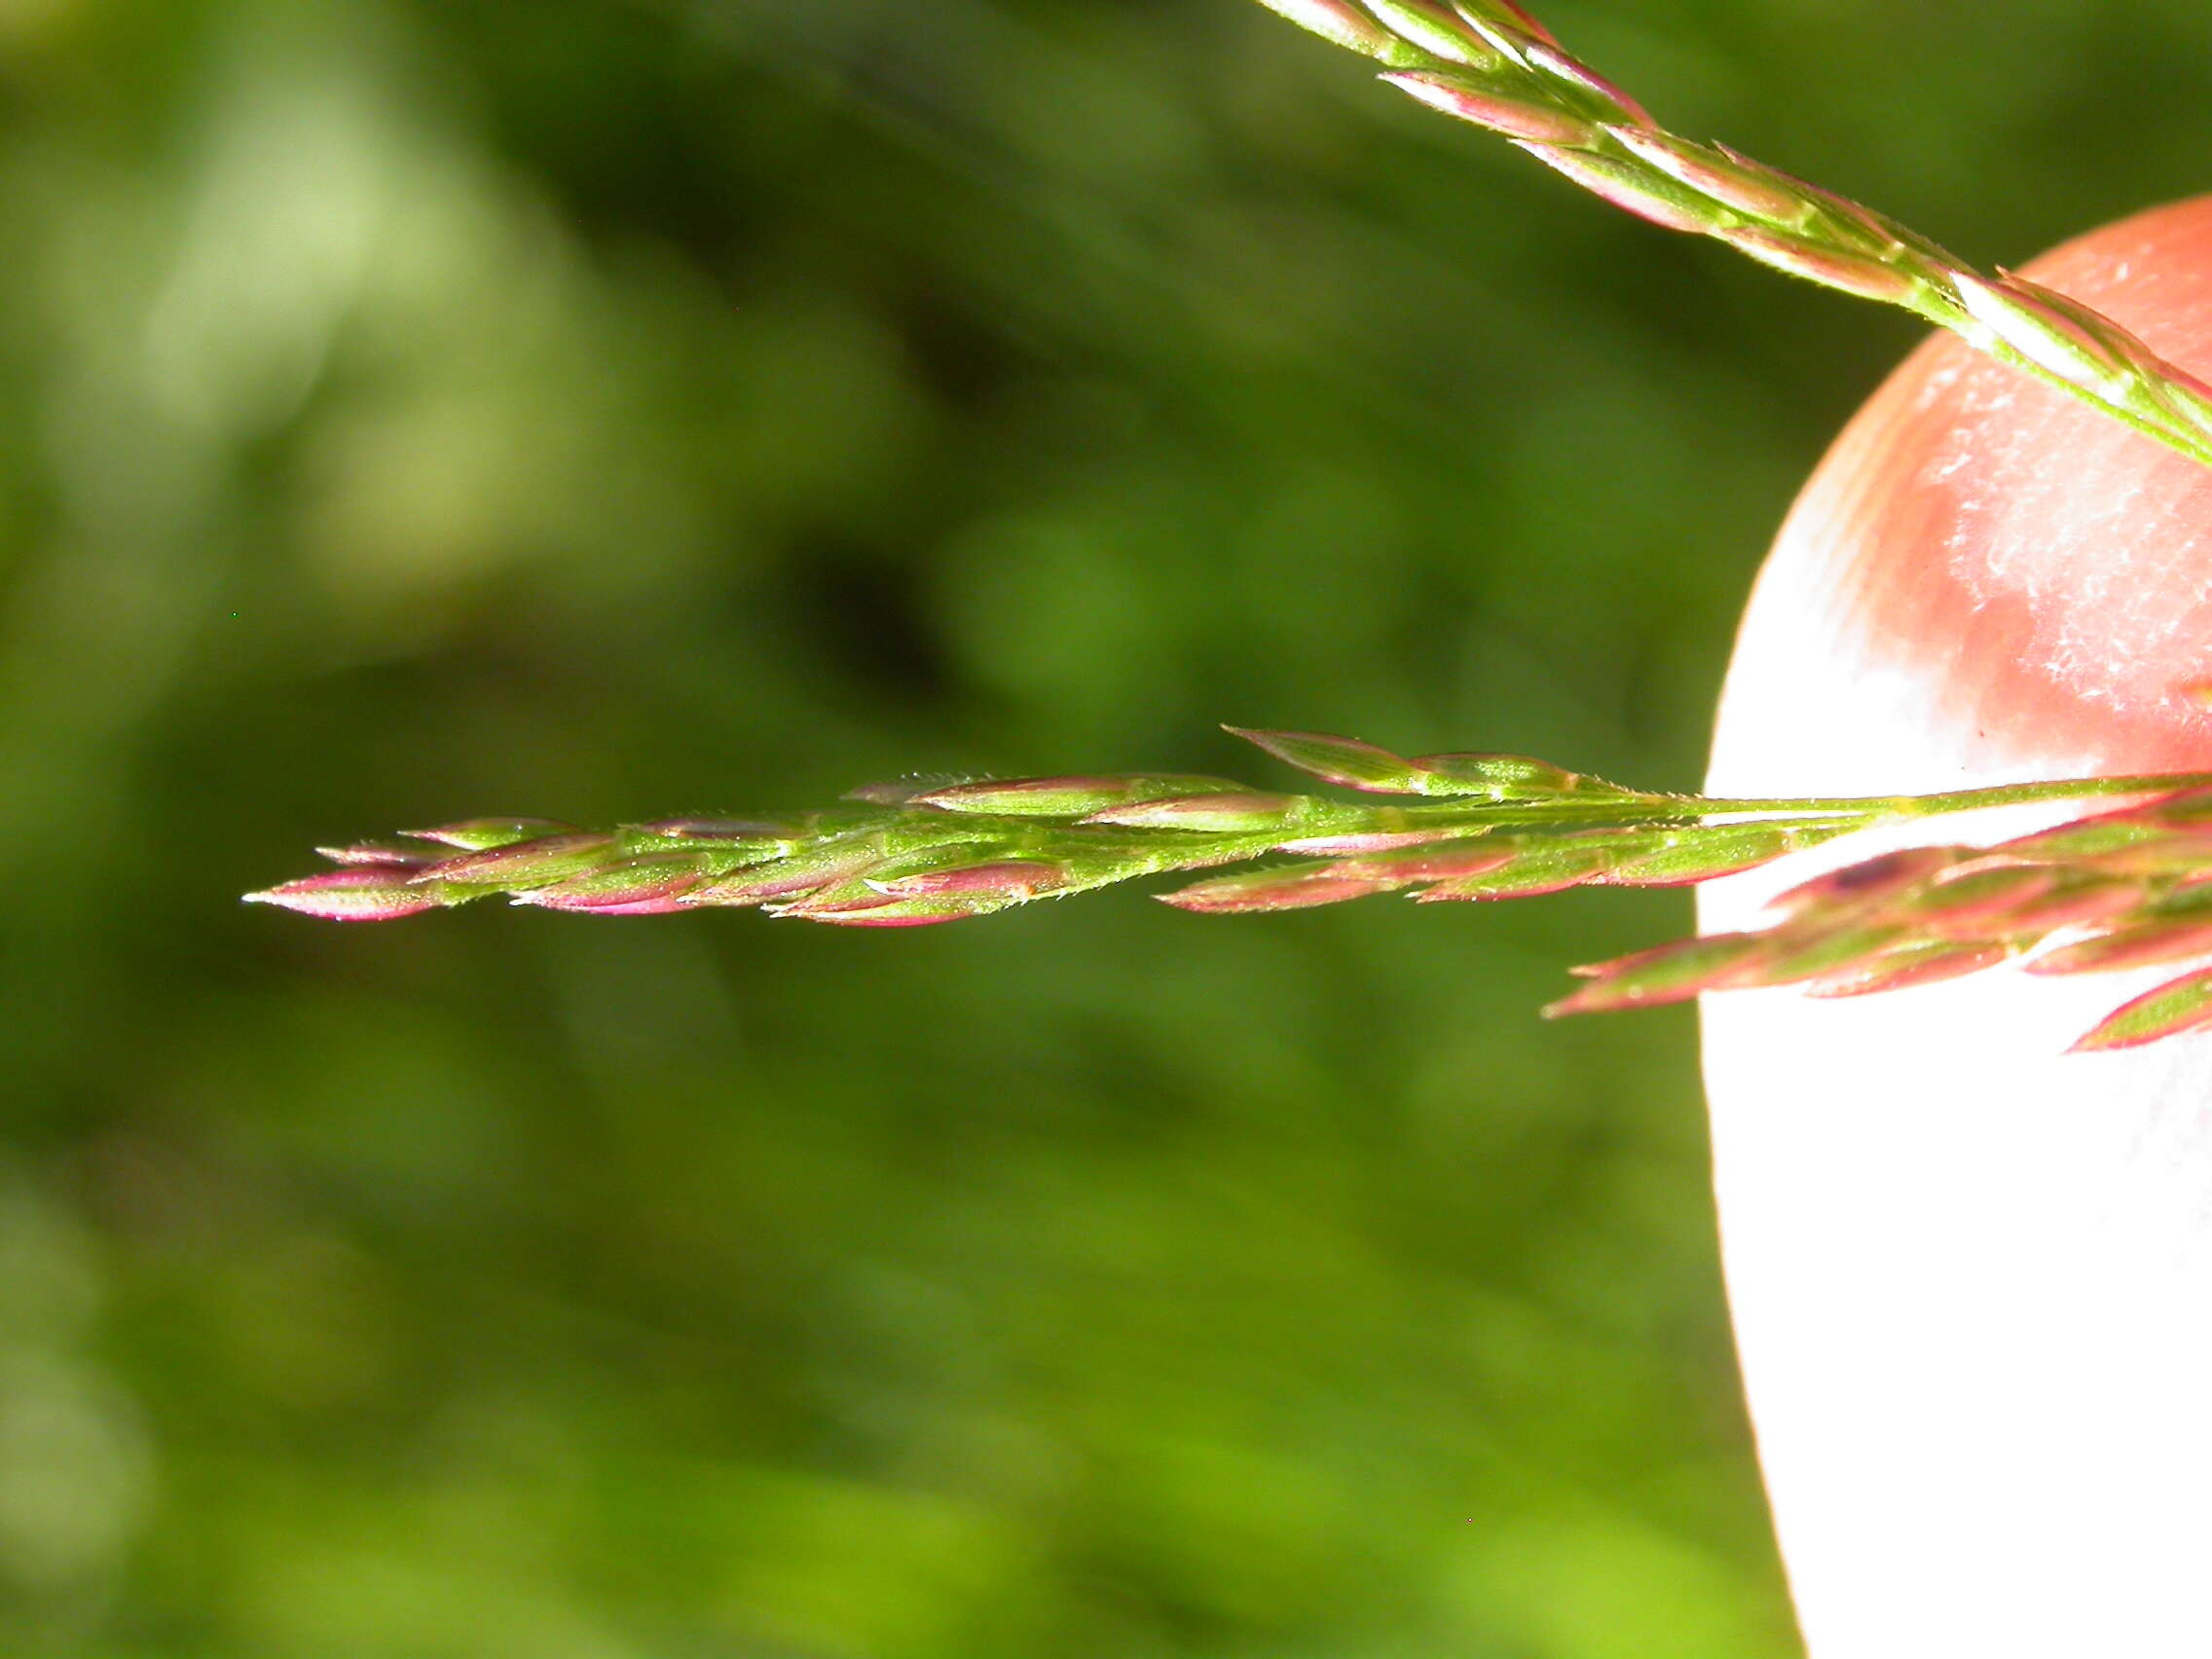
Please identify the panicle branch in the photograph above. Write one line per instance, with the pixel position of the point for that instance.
(2122, 889)
(902, 854)
(1489, 62)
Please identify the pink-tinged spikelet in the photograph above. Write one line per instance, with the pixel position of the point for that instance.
(1494, 108)
(1340, 21)
(1631, 188)
(1848, 273)
(653, 885)
(1010, 878)
(368, 893)
(2179, 1006)
(1293, 889)
(1343, 760)
(1741, 187)
(547, 859)
(476, 834)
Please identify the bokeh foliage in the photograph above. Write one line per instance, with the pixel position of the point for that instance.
(412, 409)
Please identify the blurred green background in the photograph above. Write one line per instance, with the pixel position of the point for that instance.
(410, 409)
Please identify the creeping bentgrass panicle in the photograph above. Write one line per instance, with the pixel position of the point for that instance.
(1488, 64)
(2124, 888)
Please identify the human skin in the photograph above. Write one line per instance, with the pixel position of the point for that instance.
(1972, 1275)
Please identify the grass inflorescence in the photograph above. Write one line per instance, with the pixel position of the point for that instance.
(2129, 888)
(2123, 888)
(1489, 62)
